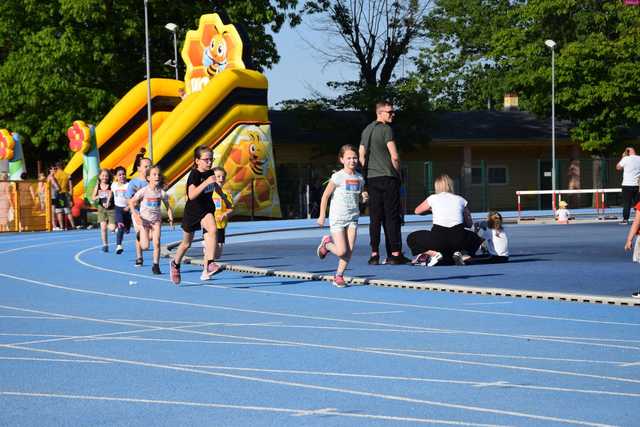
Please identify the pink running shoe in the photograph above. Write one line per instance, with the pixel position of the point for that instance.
(322, 248)
(175, 272)
(212, 270)
(339, 282)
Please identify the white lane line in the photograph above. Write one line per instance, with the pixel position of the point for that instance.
(32, 317)
(502, 356)
(320, 388)
(296, 316)
(78, 259)
(17, 334)
(40, 245)
(414, 379)
(379, 312)
(188, 341)
(193, 323)
(630, 364)
(488, 303)
(351, 349)
(293, 412)
(44, 359)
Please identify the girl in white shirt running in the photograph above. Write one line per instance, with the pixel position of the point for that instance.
(346, 186)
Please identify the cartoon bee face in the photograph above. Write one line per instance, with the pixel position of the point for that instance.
(215, 56)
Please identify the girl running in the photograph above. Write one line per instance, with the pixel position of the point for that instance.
(122, 214)
(346, 186)
(103, 196)
(199, 213)
(149, 219)
(224, 209)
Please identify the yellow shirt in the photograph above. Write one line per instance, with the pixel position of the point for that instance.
(222, 208)
(63, 181)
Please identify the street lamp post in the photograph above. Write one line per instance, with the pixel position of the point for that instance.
(174, 29)
(146, 40)
(551, 44)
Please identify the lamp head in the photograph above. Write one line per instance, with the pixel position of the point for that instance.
(171, 27)
(550, 43)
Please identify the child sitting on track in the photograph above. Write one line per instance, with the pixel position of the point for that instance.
(103, 196)
(496, 242)
(224, 208)
(149, 219)
(563, 214)
(346, 185)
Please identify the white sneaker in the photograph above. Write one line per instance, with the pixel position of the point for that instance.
(434, 259)
(119, 249)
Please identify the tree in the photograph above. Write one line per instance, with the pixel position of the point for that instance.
(484, 48)
(373, 35)
(64, 60)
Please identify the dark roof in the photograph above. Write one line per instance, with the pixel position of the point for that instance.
(505, 125)
(318, 127)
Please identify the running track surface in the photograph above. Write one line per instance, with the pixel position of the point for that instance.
(87, 339)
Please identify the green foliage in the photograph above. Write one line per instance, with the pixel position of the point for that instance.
(484, 48)
(65, 60)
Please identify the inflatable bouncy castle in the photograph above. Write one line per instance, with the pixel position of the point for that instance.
(220, 103)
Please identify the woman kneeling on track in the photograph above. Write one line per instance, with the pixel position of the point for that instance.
(199, 213)
(149, 220)
(448, 237)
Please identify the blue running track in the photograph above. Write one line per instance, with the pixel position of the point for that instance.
(88, 339)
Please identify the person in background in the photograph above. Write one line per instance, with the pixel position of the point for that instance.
(629, 164)
(380, 162)
(64, 202)
(224, 209)
(563, 214)
(448, 238)
(51, 178)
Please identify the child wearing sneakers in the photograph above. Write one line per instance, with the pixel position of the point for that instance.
(346, 186)
(140, 181)
(122, 214)
(149, 219)
(224, 208)
(495, 245)
(199, 213)
(563, 214)
(103, 197)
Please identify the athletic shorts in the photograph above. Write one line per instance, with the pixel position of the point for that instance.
(106, 215)
(220, 234)
(191, 224)
(62, 203)
(123, 217)
(339, 225)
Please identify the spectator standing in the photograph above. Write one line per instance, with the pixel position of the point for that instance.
(629, 164)
(379, 158)
(64, 201)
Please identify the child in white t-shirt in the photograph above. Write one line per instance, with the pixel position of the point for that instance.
(496, 241)
(346, 186)
(563, 214)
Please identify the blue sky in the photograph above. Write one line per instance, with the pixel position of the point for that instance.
(300, 68)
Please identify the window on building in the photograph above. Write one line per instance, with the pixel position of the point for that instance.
(497, 175)
(476, 176)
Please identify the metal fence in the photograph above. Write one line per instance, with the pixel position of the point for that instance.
(24, 206)
(488, 184)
